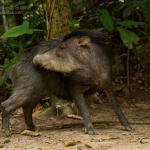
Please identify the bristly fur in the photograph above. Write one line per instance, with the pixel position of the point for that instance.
(102, 39)
(96, 36)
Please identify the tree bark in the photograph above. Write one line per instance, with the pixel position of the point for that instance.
(59, 16)
(5, 24)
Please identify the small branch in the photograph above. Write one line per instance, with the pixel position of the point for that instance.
(50, 19)
(62, 125)
(127, 67)
(5, 24)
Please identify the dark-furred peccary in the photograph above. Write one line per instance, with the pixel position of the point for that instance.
(31, 84)
(76, 66)
(83, 58)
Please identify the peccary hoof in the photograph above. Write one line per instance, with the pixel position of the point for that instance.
(129, 128)
(90, 131)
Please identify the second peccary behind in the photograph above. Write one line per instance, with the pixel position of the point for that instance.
(31, 84)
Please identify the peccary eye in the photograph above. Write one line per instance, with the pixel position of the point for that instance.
(62, 47)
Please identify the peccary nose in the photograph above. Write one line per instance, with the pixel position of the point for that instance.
(36, 60)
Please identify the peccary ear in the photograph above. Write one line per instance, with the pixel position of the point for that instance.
(83, 40)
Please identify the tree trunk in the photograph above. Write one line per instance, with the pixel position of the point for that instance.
(59, 16)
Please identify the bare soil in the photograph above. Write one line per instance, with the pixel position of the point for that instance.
(58, 132)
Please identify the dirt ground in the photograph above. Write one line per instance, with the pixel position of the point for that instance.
(58, 132)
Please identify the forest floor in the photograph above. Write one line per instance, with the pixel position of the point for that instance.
(58, 133)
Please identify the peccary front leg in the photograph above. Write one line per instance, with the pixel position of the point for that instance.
(77, 93)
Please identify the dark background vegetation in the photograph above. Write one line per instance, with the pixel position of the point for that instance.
(26, 23)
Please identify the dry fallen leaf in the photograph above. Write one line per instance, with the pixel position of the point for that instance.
(31, 133)
(119, 88)
(143, 106)
(143, 141)
(71, 143)
(74, 116)
(87, 145)
(106, 137)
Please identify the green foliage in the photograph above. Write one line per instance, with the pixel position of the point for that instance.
(13, 50)
(118, 65)
(126, 18)
(106, 19)
(143, 53)
(4, 77)
(129, 24)
(14, 121)
(37, 14)
(75, 5)
(19, 39)
(128, 37)
(9, 50)
(19, 30)
(45, 105)
(75, 24)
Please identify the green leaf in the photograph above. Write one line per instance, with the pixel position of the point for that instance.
(4, 77)
(144, 10)
(6, 61)
(76, 5)
(37, 30)
(18, 30)
(74, 23)
(106, 20)
(118, 66)
(2, 67)
(20, 46)
(129, 23)
(100, 29)
(137, 49)
(127, 11)
(15, 59)
(45, 105)
(14, 121)
(128, 37)
(6, 65)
